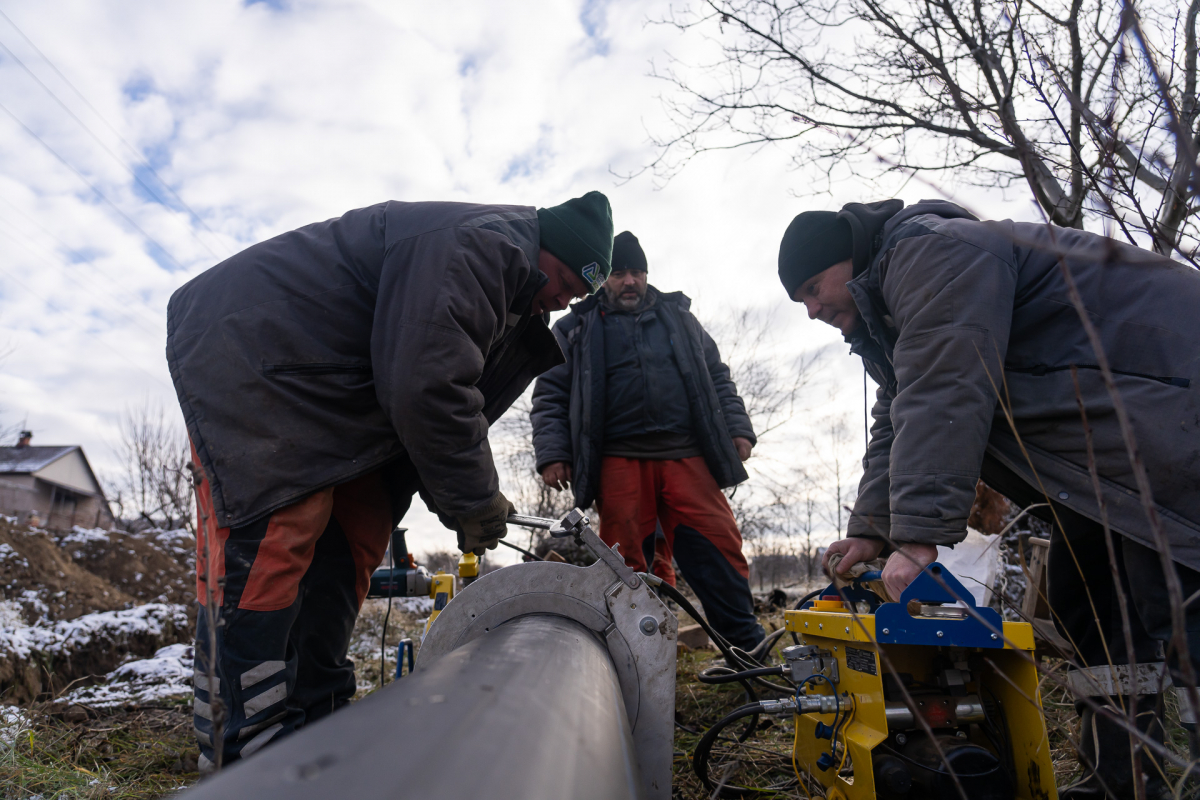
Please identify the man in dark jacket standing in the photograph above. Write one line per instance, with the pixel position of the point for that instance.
(644, 420)
(327, 375)
(950, 314)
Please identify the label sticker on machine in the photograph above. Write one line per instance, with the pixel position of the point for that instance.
(861, 660)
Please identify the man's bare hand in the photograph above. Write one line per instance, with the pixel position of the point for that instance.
(743, 447)
(854, 550)
(557, 475)
(904, 565)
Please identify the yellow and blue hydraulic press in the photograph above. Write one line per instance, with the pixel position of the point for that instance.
(929, 697)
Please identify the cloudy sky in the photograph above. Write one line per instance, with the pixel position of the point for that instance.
(142, 142)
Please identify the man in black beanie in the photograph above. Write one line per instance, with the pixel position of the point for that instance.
(644, 420)
(950, 314)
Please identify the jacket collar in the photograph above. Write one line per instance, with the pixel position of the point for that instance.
(867, 287)
(593, 301)
(874, 339)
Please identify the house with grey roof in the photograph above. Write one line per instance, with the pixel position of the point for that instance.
(52, 487)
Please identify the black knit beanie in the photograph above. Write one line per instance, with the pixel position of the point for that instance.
(627, 253)
(814, 242)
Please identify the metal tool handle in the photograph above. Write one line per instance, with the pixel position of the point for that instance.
(577, 524)
(524, 520)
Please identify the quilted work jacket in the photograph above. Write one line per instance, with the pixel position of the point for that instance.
(958, 314)
(568, 401)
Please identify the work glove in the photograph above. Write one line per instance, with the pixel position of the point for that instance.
(485, 527)
(858, 570)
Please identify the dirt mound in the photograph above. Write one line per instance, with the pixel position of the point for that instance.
(50, 656)
(151, 566)
(38, 576)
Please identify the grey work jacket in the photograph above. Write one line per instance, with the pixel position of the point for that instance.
(959, 313)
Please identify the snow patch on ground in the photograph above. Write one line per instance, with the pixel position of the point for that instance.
(413, 605)
(11, 615)
(7, 553)
(166, 676)
(35, 605)
(80, 535)
(61, 638)
(179, 539)
(13, 722)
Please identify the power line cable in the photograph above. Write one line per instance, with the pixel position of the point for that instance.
(166, 253)
(116, 301)
(81, 257)
(104, 146)
(133, 150)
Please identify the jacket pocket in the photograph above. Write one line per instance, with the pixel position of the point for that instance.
(1038, 370)
(316, 368)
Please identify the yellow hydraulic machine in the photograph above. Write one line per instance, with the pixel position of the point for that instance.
(929, 697)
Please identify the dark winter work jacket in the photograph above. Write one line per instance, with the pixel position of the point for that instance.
(392, 335)
(644, 392)
(957, 313)
(568, 401)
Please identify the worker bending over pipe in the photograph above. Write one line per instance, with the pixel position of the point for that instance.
(325, 376)
(961, 322)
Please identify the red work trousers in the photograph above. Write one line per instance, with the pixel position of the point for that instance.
(287, 589)
(638, 494)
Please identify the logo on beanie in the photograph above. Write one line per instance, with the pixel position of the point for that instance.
(591, 274)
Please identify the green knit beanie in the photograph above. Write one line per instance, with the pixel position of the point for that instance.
(580, 234)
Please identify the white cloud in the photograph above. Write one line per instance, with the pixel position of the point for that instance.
(269, 116)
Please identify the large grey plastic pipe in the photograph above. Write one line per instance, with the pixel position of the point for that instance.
(530, 710)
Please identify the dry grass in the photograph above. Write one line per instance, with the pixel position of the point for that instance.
(365, 641)
(763, 760)
(150, 752)
(1062, 725)
(125, 755)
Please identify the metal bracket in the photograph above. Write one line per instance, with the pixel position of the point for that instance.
(805, 661)
(609, 599)
(577, 525)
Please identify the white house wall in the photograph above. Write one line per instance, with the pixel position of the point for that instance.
(19, 494)
(72, 472)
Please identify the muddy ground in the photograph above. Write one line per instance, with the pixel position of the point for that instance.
(95, 670)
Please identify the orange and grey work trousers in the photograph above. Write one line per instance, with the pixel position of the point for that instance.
(638, 495)
(286, 590)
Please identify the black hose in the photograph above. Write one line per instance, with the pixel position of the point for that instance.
(704, 747)
(768, 643)
(670, 591)
(386, 617)
(806, 598)
(736, 657)
(726, 675)
(521, 550)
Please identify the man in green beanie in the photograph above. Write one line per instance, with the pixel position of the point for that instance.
(326, 376)
(984, 367)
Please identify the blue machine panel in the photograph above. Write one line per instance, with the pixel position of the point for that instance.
(982, 626)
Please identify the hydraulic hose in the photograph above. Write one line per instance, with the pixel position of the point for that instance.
(726, 675)
(704, 747)
(800, 603)
(734, 656)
